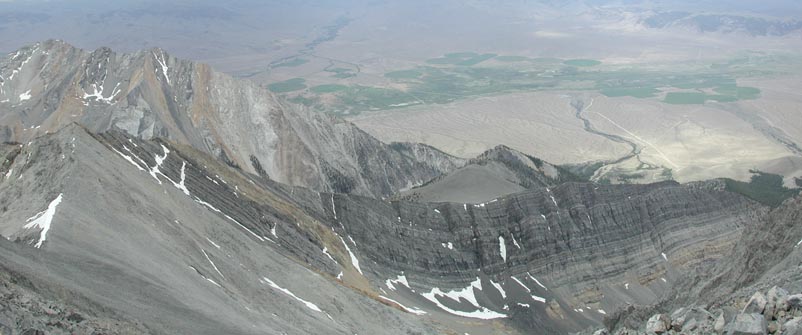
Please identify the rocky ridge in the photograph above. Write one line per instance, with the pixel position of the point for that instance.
(150, 94)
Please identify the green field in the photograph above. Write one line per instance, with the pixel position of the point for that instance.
(404, 74)
(685, 98)
(637, 92)
(288, 85)
(328, 88)
(462, 75)
(746, 93)
(511, 59)
(582, 62)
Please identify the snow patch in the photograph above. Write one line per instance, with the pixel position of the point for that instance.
(287, 292)
(514, 242)
(414, 310)
(521, 283)
(538, 299)
(43, 220)
(208, 205)
(334, 209)
(401, 279)
(326, 252)
(601, 311)
(163, 63)
(467, 294)
(181, 186)
(214, 244)
(25, 96)
(212, 263)
(664, 255)
(354, 260)
(502, 248)
(500, 289)
(536, 281)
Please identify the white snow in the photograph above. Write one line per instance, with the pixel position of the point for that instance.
(437, 211)
(536, 281)
(97, 93)
(798, 243)
(413, 310)
(9, 173)
(552, 197)
(204, 277)
(521, 283)
(543, 216)
(340, 275)
(159, 160)
(43, 220)
(664, 280)
(500, 289)
(450, 246)
(354, 260)
(523, 305)
(664, 255)
(287, 292)
(273, 230)
(212, 263)
(601, 311)
(626, 286)
(334, 209)
(208, 205)
(514, 242)
(465, 207)
(326, 252)
(163, 64)
(401, 279)
(467, 294)
(502, 248)
(181, 185)
(539, 299)
(129, 159)
(214, 244)
(25, 96)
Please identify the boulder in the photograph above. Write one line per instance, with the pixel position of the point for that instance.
(602, 331)
(795, 301)
(792, 327)
(756, 304)
(776, 300)
(748, 324)
(720, 323)
(658, 324)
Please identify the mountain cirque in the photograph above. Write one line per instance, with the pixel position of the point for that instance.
(185, 201)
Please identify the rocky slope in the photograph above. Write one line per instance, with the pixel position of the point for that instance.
(150, 94)
(163, 236)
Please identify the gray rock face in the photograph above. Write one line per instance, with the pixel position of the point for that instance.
(748, 324)
(151, 94)
(563, 256)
